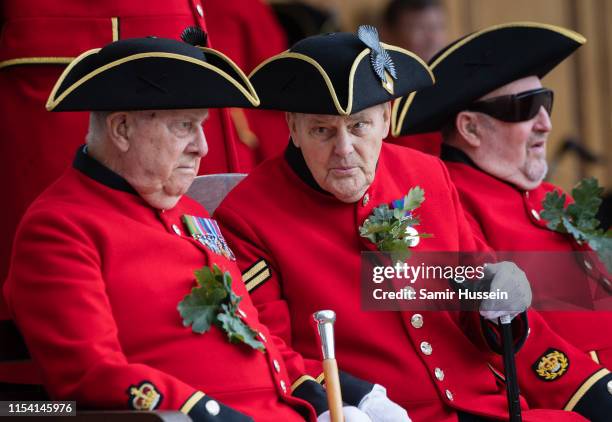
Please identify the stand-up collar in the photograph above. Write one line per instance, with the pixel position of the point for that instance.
(455, 155)
(296, 161)
(98, 172)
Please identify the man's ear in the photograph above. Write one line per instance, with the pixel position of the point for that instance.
(117, 127)
(291, 124)
(467, 126)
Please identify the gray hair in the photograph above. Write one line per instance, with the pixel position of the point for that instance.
(97, 126)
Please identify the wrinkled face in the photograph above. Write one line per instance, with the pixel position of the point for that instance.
(341, 151)
(514, 152)
(423, 31)
(165, 148)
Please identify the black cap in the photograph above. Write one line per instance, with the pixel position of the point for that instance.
(338, 73)
(479, 63)
(151, 73)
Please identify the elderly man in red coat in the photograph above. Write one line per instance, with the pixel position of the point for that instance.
(105, 255)
(495, 130)
(39, 39)
(293, 224)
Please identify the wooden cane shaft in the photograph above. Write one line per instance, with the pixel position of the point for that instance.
(332, 385)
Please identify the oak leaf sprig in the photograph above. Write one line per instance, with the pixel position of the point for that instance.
(213, 301)
(390, 228)
(578, 218)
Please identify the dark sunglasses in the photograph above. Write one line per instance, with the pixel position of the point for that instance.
(517, 107)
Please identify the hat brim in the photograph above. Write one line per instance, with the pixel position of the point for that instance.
(296, 82)
(152, 80)
(478, 64)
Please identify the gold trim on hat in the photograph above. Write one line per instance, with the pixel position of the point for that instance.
(397, 123)
(249, 94)
(330, 87)
(237, 69)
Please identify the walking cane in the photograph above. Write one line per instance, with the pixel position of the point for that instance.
(512, 388)
(325, 326)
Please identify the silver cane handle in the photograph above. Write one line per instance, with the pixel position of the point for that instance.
(325, 325)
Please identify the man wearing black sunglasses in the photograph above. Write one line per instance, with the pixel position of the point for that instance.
(495, 118)
(505, 133)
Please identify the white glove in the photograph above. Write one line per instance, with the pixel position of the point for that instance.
(351, 414)
(379, 408)
(507, 277)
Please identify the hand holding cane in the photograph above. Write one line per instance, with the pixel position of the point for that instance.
(325, 326)
(507, 277)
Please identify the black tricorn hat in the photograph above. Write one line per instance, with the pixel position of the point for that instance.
(479, 63)
(338, 73)
(151, 73)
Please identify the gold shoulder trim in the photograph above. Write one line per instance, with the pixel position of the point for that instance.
(191, 401)
(397, 121)
(254, 269)
(301, 380)
(332, 92)
(584, 388)
(52, 102)
(258, 280)
(35, 60)
(237, 69)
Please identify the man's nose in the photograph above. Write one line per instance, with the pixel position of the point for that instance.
(343, 144)
(542, 122)
(199, 144)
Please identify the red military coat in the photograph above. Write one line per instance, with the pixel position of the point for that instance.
(509, 219)
(248, 33)
(94, 285)
(299, 250)
(424, 142)
(39, 38)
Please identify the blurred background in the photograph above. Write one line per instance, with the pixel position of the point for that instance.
(581, 141)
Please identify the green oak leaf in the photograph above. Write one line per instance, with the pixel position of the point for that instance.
(234, 299)
(237, 331)
(397, 213)
(414, 199)
(199, 307)
(586, 199)
(386, 227)
(554, 209)
(213, 301)
(603, 246)
(398, 249)
(578, 219)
